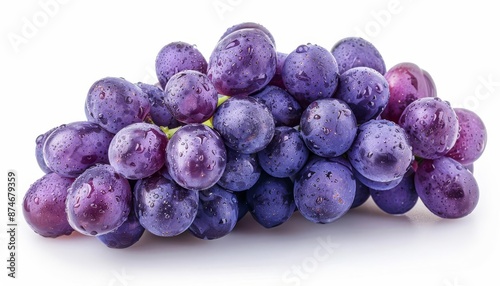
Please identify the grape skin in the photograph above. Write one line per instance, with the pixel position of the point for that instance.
(241, 173)
(125, 235)
(354, 52)
(159, 112)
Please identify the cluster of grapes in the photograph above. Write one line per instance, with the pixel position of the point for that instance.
(254, 130)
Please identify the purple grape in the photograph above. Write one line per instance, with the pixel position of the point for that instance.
(196, 156)
(328, 127)
(310, 73)
(285, 155)
(138, 150)
(365, 90)
(190, 97)
(242, 63)
(472, 137)
(431, 125)
(354, 52)
(44, 206)
(270, 201)
(163, 207)
(242, 171)
(40, 141)
(285, 109)
(72, 148)
(217, 214)
(242, 204)
(277, 79)
(159, 112)
(125, 235)
(176, 57)
(397, 200)
(446, 188)
(407, 83)
(248, 25)
(470, 167)
(115, 103)
(98, 201)
(376, 185)
(324, 190)
(381, 151)
(245, 124)
(362, 194)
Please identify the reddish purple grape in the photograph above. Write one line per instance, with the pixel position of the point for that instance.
(446, 187)
(176, 57)
(472, 137)
(432, 127)
(44, 205)
(190, 97)
(138, 150)
(98, 201)
(72, 148)
(407, 83)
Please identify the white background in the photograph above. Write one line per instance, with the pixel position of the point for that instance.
(50, 56)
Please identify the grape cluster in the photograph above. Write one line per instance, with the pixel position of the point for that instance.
(254, 130)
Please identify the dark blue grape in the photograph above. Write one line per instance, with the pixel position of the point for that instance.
(125, 235)
(285, 155)
(397, 200)
(163, 207)
(324, 190)
(285, 109)
(362, 194)
(354, 52)
(270, 200)
(310, 73)
(365, 90)
(217, 214)
(242, 171)
(246, 124)
(328, 127)
(242, 204)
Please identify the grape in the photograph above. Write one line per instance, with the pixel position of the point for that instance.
(44, 206)
(277, 79)
(361, 196)
(310, 73)
(176, 57)
(245, 124)
(324, 190)
(397, 200)
(381, 151)
(138, 150)
(446, 188)
(284, 108)
(217, 214)
(354, 52)
(248, 25)
(163, 207)
(196, 156)
(98, 201)
(242, 171)
(407, 83)
(242, 204)
(242, 63)
(190, 97)
(431, 125)
(472, 137)
(270, 201)
(376, 185)
(159, 112)
(115, 103)
(125, 235)
(285, 155)
(40, 141)
(366, 92)
(72, 148)
(328, 127)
